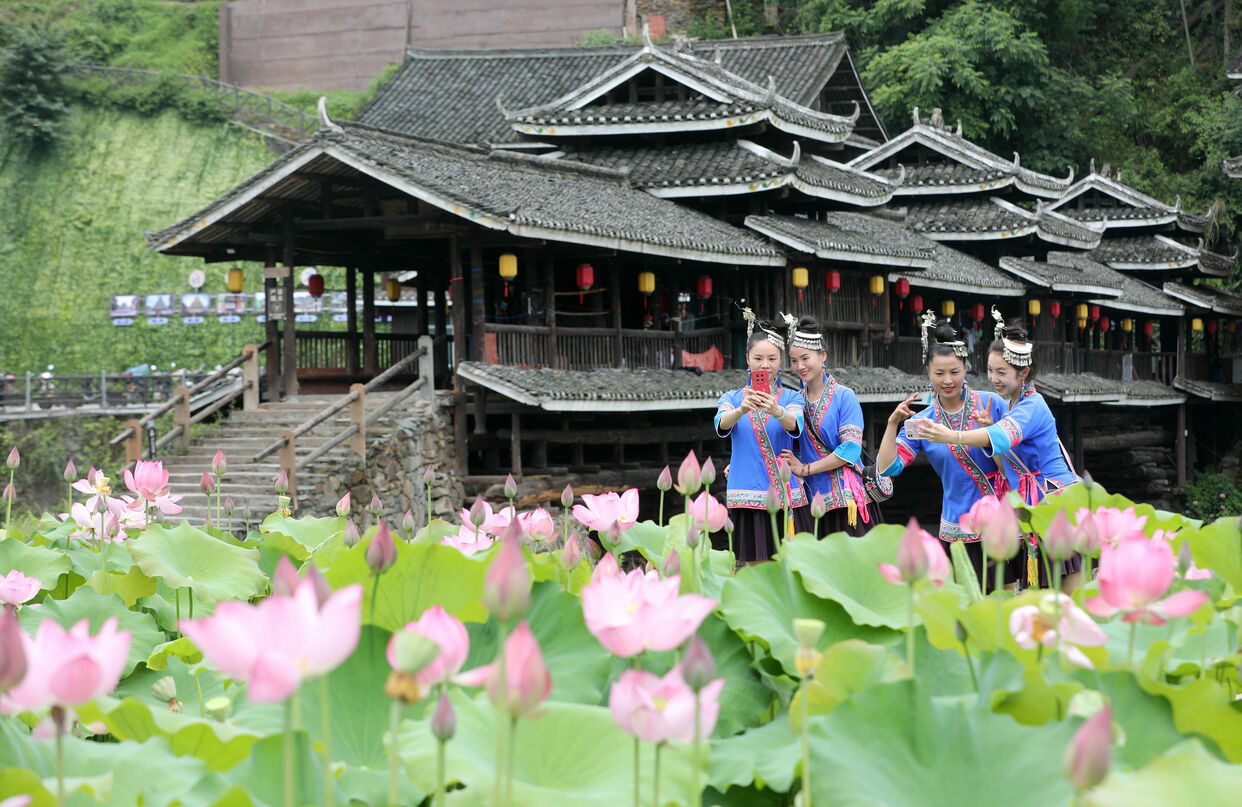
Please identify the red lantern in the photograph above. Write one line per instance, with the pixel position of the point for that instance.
(586, 278)
(916, 302)
(1212, 325)
(1149, 328)
(977, 313)
(314, 284)
(1104, 323)
(704, 287)
(832, 282)
(902, 287)
(1095, 312)
(1054, 308)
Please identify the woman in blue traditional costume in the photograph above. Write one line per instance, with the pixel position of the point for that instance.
(829, 452)
(760, 424)
(967, 474)
(1024, 440)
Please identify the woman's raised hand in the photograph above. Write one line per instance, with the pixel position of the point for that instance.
(983, 418)
(903, 412)
(796, 466)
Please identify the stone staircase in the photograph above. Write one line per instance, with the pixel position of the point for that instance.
(244, 434)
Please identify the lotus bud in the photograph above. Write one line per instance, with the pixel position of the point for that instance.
(1058, 539)
(382, 551)
(783, 471)
(351, 535)
(808, 631)
(805, 660)
(773, 501)
(246, 512)
(506, 586)
(571, 555)
(282, 482)
(567, 497)
(229, 506)
(429, 475)
(728, 525)
(708, 473)
(14, 459)
(342, 506)
(672, 565)
(693, 535)
(665, 480)
(9, 494)
(1087, 535)
(218, 707)
(510, 487)
(165, 689)
(413, 651)
(478, 512)
(818, 508)
(593, 550)
(71, 472)
(111, 526)
(959, 631)
(283, 501)
(12, 649)
(285, 580)
(319, 584)
(1089, 754)
(912, 560)
(376, 505)
(1185, 558)
(444, 720)
(698, 668)
(612, 536)
(218, 464)
(1088, 480)
(689, 476)
(407, 522)
(207, 484)
(1001, 534)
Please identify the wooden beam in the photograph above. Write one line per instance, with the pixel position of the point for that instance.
(363, 223)
(630, 436)
(290, 360)
(515, 444)
(478, 303)
(457, 294)
(351, 318)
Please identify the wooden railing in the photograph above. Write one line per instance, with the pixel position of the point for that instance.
(591, 348)
(330, 350)
(179, 403)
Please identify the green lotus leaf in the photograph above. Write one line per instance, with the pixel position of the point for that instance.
(894, 745)
(766, 756)
(217, 745)
(88, 604)
(299, 537)
(85, 560)
(33, 561)
(439, 528)
(186, 557)
(845, 669)
(180, 647)
(131, 586)
(1187, 774)
(762, 601)
(1203, 707)
(196, 684)
(1037, 702)
(423, 575)
(569, 755)
(1218, 546)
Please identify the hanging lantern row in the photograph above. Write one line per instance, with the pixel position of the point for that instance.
(977, 313)
(1196, 325)
(1149, 328)
(832, 282)
(646, 282)
(1054, 308)
(877, 288)
(948, 308)
(1033, 308)
(1104, 323)
(1127, 325)
(916, 303)
(585, 277)
(1212, 326)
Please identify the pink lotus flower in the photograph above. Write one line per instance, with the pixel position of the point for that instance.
(12, 649)
(995, 521)
(607, 567)
(601, 512)
(571, 555)
(1134, 575)
(1113, 525)
(17, 801)
(665, 480)
(689, 476)
(16, 588)
(276, 643)
(465, 541)
(94, 526)
(660, 710)
(446, 631)
(708, 513)
(1058, 539)
(537, 526)
(1089, 754)
(68, 667)
(1031, 625)
(638, 611)
(527, 680)
(1086, 534)
(919, 556)
(494, 522)
(149, 482)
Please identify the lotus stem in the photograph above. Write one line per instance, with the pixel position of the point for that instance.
(1056, 590)
(290, 800)
(509, 761)
(806, 743)
(1000, 604)
(502, 708)
(1086, 569)
(428, 509)
(655, 788)
(910, 630)
(637, 750)
(329, 797)
(970, 665)
(59, 720)
(440, 746)
(8, 515)
(199, 685)
(776, 536)
(394, 758)
(696, 795)
(374, 598)
(190, 596)
(1130, 651)
(660, 521)
(177, 592)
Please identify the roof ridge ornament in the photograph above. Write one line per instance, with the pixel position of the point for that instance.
(958, 133)
(647, 43)
(1177, 204)
(504, 113)
(1093, 165)
(797, 154)
(937, 119)
(1017, 160)
(324, 120)
(718, 56)
(915, 114)
(770, 96)
(901, 175)
(856, 113)
(1069, 180)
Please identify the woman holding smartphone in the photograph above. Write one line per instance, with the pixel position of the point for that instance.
(829, 451)
(1024, 440)
(967, 473)
(760, 420)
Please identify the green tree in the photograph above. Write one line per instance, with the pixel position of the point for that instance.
(33, 66)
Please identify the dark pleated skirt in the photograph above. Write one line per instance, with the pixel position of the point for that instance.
(752, 531)
(1070, 565)
(1013, 566)
(838, 520)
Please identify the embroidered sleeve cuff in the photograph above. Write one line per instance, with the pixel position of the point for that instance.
(1003, 435)
(851, 452)
(905, 456)
(716, 420)
(799, 423)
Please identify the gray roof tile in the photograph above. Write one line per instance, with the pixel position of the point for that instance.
(1135, 295)
(605, 389)
(865, 238)
(1208, 298)
(1142, 252)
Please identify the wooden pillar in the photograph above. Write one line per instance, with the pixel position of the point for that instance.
(478, 303)
(549, 274)
(370, 349)
(270, 332)
(480, 410)
(618, 342)
(420, 313)
(457, 294)
(290, 359)
(441, 325)
(515, 445)
(532, 271)
(351, 318)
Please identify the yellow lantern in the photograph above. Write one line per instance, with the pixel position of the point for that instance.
(236, 280)
(508, 266)
(948, 308)
(393, 289)
(1232, 327)
(1081, 311)
(877, 284)
(1127, 325)
(1033, 307)
(646, 282)
(801, 279)
(1196, 325)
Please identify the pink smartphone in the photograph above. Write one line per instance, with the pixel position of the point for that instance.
(760, 380)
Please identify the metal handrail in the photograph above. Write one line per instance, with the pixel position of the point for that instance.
(342, 402)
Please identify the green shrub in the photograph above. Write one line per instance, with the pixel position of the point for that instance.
(1213, 496)
(33, 66)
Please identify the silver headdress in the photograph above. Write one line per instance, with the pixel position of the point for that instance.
(774, 337)
(929, 321)
(804, 339)
(749, 316)
(1015, 353)
(929, 325)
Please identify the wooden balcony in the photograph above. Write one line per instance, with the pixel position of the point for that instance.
(591, 348)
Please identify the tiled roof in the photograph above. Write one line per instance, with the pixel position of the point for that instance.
(1211, 390)
(879, 384)
(1091, 388)
(1208, 298)
(963, 218)
(1133, 208)
(1088, 277)
(730, 167)
(848, 237)
(451, 94)
(1215, 264)
(1121, 215)
(1232, 166)
(945, 177)
(1135, 295)
(526, 196)
(1144, 252)
(605, 390)
(956, 271)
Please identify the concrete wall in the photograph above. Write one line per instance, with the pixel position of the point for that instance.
(328, 44)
